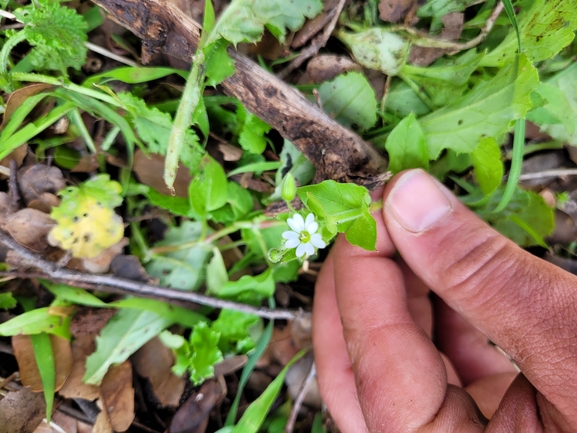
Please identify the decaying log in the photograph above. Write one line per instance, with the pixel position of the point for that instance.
(337, 152)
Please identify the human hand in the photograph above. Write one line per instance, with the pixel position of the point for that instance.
(378, 369)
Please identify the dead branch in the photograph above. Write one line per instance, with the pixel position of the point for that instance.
(111, 284)
(336, 152)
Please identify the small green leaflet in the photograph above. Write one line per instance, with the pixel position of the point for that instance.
(208, 190)
(545, 29)
(7, 301)
(487, 110)
(219, 65)
(377, 49)
(153, 127)
(124, 334)
(566, 128)
(350, 100)
(245, 20)
(439, 8)
(406, 146)
(57, 33)
(445, 80)
(251, 136)
(45, 361)
(37, 321)
(487, 164)
(249, 289)
(184, 267)
(342, 207)
(238, 331)
(198, 355)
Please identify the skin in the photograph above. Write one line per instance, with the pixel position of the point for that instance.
(456, 280)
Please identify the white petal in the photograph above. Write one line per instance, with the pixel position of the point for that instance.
(289, 234)
(310, 220)
(292, 243)
(317, 241)
(312, 228)
(297, 223)
(309, 249)
(301, 250)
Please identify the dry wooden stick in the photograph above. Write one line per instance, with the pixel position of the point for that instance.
(336, 152)
(110, 283)
(317, 43)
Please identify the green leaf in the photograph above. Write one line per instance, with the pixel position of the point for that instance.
(46, 367)
(249, 289)
(133, 75)
(487, 110)
(204, 353)
(219, 65)
(341, 207)
(209, 189)
(488, 165)
(153, 127)
(253, 358)
(7, 301)
(255, 414)
(439, 8)
(350, 100)
(37, 321)
(545, 29)
(516, 164)
(525, 220)
(377, 49)
(252, 137)
(444, 81)
(363, 232)
(216, 275)
(406, 146)
(184, 316)
(402, 100)
(244, 20)
(58, 35)
(124, 334)
(176, 205)
(238, 331)
(183, 268)
(561, 104)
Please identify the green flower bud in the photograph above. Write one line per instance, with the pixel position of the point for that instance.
(289, 188)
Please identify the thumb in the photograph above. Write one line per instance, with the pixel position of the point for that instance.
(525, 305)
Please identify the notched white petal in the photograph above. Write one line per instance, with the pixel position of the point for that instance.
(309, 249)
(292, 243)
(317, 241)
(289, 234)
(310, 220)
(297, 223)
(312, 228)
(301, 250)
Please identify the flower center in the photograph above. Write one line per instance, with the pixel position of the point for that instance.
(304, 237)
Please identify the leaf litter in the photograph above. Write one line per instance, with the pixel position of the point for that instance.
(402, 80)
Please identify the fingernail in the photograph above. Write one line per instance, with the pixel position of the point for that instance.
(417, 202)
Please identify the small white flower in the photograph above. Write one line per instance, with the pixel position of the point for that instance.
(303, 236)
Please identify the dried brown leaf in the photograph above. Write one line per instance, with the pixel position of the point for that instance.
(74, 387)
(29, 227)
(453, 26)
(149, 171)
(19, 96)
(394, 11)
(21, 411)
(192, 416)
(17, 155)
(39, 178)
(101, 263)
(154, 361)
(326, 67)
(118, 396)
(29, 373)
(89, 321)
